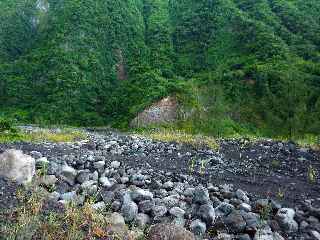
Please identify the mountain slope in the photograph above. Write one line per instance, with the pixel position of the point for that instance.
(237, 64)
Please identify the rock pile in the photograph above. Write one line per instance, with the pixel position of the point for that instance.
(152, 192)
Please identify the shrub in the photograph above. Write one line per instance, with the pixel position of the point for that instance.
(7, 126)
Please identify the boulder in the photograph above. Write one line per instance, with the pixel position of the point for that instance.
(285, 218)
(16, 166)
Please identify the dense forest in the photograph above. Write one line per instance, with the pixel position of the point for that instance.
(234, 65)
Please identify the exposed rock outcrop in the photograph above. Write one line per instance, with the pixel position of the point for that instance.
(164, 111)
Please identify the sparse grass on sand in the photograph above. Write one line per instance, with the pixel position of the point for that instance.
(35, 218)
(64, 135)
(168, 135)
(33, 221)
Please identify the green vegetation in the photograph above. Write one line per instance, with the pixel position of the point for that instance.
(9, 133)
(238, 67)
(34, 219)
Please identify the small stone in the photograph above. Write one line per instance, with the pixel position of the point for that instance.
(177, 212)
(198, 228)
(105, 182)
(201, 195)
(129, 209)
(179, 221)
(168, 185)
(169, 231)
(69, 174)
(224, 209)
(235, 222)
(99, 206)
(124, 180)
(94, 176)
(159, 211)
(89, 187)
(315, 234)
(189, 192)
(252, 220)
(142, 220)
(266, 234)
(116, 206)
(245, 207)
(207, 213)
(304, 225)
(69, 196)
(171, 201)
(48, 180)
(312, 220)
(242, 196)
(116, 219)
(99, 165)
(224, 236)
(83, 176)
(146, 206)
(244, 237)
(54, 196)
(139, 194)
(115, 164)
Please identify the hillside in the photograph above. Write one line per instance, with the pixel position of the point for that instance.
(238, 66)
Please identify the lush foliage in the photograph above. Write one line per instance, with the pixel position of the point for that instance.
(238, 65)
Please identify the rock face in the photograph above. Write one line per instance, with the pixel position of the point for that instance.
(16, 166)
(164, 111)
(169, 232)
